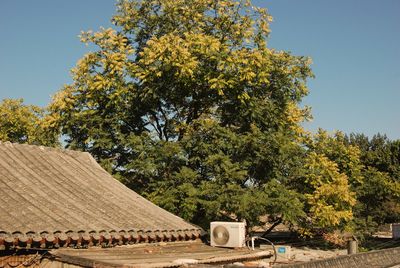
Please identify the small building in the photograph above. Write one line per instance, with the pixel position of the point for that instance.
(59, 206)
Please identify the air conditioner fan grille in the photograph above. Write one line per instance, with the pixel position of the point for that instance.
(220, 235)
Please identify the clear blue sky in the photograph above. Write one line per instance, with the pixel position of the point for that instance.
(354, 44)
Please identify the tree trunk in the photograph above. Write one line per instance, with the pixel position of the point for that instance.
(277, 222)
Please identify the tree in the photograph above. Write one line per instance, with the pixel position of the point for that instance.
(371, 166)
(379, 152)
(21, 123)
(330, 171)
(379, 194)
(184, 102)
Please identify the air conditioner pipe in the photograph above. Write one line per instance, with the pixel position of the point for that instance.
(254, 238)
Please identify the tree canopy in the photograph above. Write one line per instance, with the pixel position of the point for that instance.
(184, 102)
(22, 123)
(379, 194)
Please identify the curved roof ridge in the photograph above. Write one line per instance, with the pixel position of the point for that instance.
(54, 195)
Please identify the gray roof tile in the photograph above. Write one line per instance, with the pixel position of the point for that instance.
(66, 198)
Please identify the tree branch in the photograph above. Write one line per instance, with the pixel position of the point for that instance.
(158, 125)
(166, 121)
(276, 223)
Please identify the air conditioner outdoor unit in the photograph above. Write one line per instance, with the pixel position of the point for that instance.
(227, 234)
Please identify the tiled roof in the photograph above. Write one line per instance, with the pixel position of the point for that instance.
(54, 197)
(186, 254)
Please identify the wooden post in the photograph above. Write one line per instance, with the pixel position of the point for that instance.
(352, 246)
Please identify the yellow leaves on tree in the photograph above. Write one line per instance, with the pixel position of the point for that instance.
(295, 116)
(100, 70)
(346, 156)
(175, 72)
(329, 195)
(25, 124)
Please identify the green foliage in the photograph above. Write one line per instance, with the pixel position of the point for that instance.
(21, 123)
(371, 166)
(375, 195)
(345, 155)
(379, 194)
(184, 102)
(379, 152)
(327, 191)
(329, 168)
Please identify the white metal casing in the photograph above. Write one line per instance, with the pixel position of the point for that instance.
(227, 234)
